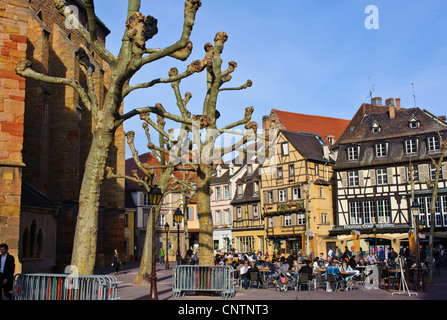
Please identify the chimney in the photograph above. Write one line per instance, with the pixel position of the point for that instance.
(377, 101)
(265, 123)
(390, 103)
(397, 103)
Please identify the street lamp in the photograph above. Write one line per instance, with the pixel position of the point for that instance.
(154, 198)
(167, 245)
(178, 217)
(415, 208)
(375, 239)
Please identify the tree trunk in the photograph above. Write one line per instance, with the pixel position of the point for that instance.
(85, 239)
(206, 256)
(144, 272)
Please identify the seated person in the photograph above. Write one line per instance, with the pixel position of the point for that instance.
(346, 267)
(306, 269)
(332, 269)
(244, 273)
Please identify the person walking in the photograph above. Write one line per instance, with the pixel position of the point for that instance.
(7, 268)
(116, 261)
(161, 254)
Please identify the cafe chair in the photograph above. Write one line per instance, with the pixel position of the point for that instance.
(254, 280)
(304, 280)
(359, 279)
(334, 282)
(389, 279)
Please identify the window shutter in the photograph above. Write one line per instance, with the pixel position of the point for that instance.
(275, 196)
(423, 172)
(402, 175)
(344, 179)
(390, 175)
(361, 178)
(444, 170)
(372, 177)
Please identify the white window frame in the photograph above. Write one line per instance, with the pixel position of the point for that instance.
(381, 150)
(355, 212)
(433, 144)
(369, 211)
(296, 193)
(382, 176)
(353, 153)
(239, 212)
(282, 195)
(353, 178)
(383, 211)
(411, 146)
(287, 220)
(226, 192)
(285, 148)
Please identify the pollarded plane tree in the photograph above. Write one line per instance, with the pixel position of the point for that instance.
(169, 176)
(201, 152)
(107, 116)
(434, 194)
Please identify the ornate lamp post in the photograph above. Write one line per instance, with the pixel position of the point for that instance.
(418, 225)
(167, 245)
(178, 217)
(375, 240)
(155, 196)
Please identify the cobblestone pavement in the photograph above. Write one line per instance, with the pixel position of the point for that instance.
(129, 291)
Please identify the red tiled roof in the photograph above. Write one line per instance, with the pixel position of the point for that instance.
(150, 159)
(321, 125)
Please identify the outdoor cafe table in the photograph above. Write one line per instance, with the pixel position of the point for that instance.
(264, 275)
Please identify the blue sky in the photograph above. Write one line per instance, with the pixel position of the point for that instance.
(306, 56)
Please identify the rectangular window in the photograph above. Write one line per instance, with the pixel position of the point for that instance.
(291, 170)
(282, 196)
(368, 211)
(279, 173)
(255, 211)
(355, 212)
(317, 169)
(226, 217)
(226, 193)
(301, 219)
(270, 196)
(287, 220)
(218, 193)
(382, 177)
(380, 150)
(239, 212)
(415, 173)
(353, 178)
(323, 217)
(285, 148)
(433, 172)
(410, 147)
(433, 144)
(296, 193)
(383, 211)
(353, 153)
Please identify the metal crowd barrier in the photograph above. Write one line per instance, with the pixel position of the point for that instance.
(203, 278)
(65, 287)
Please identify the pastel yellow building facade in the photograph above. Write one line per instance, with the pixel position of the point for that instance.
(297, 195)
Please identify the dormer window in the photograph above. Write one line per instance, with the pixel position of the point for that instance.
(353, 153)
(433, 144)
(413, 123)
(380, 149)
(375, 128)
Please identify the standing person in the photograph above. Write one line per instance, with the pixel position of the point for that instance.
(7, 267)
(116, 261)
(161, 255)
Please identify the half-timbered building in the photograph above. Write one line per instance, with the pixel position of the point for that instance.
(296, 188)
(373, 188)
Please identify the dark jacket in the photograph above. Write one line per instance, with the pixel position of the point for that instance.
(8, 271)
